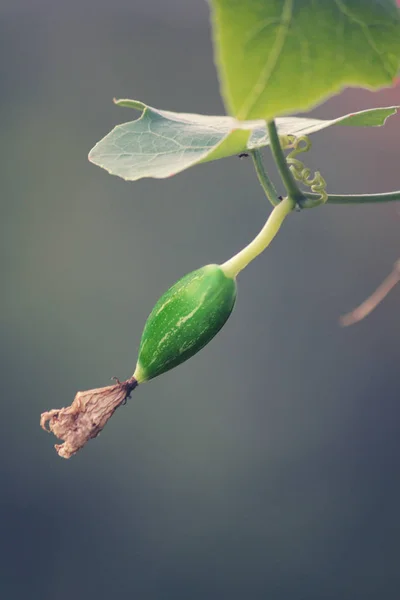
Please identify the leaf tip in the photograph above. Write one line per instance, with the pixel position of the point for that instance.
(126, 103)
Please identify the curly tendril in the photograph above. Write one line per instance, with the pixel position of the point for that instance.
(299, 171)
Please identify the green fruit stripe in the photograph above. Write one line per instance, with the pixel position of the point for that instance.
(184, 320)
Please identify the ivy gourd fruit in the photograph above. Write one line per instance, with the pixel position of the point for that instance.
(184, 320)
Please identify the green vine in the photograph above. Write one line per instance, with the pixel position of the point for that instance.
(289, 182)
(263, 178)
(312, 199)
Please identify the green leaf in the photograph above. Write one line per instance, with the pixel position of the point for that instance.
(161, 143)
(282, 56)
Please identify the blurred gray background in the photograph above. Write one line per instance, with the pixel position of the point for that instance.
(268, 465)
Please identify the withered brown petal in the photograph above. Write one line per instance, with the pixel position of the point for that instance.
(86, 417)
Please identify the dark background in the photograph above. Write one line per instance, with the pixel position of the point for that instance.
(267, 466)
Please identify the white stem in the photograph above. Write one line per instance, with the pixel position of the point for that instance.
(237, 263)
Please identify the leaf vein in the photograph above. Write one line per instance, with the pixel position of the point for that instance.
(272, 62)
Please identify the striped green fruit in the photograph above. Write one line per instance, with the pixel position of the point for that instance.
(184, 320)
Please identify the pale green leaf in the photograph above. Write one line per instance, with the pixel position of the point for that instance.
(276, 57)
(162, 143)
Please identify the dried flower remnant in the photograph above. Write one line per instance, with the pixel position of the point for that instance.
(86, 417)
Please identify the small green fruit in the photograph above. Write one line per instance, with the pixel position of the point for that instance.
(184, 320)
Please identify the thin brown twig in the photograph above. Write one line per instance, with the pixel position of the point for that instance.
(376, 298)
